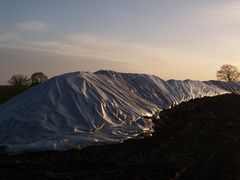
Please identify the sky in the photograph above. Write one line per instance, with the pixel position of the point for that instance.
(171, 39)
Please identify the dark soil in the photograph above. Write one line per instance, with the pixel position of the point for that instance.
(199, 139)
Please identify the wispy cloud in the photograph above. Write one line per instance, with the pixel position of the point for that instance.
(93, 46)
(32, 26)
(87, 45)
(134, 57)
(6, 37)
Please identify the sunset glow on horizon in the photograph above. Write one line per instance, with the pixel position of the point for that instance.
(171, 39)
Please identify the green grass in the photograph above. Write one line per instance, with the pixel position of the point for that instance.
(7, 92)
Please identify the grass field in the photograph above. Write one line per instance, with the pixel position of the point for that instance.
(7, 92)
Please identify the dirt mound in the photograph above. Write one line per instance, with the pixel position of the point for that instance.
(199, 139)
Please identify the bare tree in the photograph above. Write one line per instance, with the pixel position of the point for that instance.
(19, 80)
(38, 77)
(228, 73)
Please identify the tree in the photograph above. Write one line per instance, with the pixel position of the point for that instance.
(38, 77)
(228, 73)
(19, 80)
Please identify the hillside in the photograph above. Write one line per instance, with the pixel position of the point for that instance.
(198, 139)
(7, 92)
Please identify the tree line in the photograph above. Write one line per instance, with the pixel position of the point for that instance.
(21, 80)
(227, 72)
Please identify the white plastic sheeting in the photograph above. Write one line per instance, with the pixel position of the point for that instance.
(80, 109)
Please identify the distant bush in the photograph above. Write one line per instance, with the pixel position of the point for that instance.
(38, 77)
(21, 80)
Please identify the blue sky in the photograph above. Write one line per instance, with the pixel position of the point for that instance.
(172, 39)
